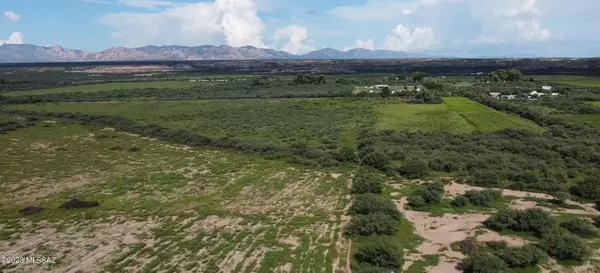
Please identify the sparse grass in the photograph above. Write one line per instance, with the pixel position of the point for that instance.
(203, 209)
(458, 115)
(419, 266)
(104, 87)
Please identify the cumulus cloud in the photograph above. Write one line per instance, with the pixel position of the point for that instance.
(148, 4)
(10, 15)
(409, 39)
(295, 36)
(16, 38)
(366, 44)
(235, 21)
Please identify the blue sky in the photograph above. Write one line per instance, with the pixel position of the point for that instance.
(450, 27)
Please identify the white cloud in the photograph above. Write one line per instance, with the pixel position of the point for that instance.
(295, 36)
(367, 44)
(408, 39)
(16, 38)
(523, 31)
(12, 16)
(235, 21)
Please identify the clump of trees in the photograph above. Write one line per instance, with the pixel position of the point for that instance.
(379, 254)
(512, 75)
(503, 259)
(477, 198)
(531, 220)
(587, 188)
(377, 160)
(374, 224)
(580, 227)
(373, 203)
(418, 76)
(366, 181)
(414, 169)
(428, 194)
(309, 79)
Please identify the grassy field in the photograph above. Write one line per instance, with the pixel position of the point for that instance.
(319, 121)
(165, 207)
(459, 115)
(570, 80)
(104, 87)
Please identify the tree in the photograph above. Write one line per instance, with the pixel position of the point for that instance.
(372, 203)
(386, 92)
(460, 201)
(521, 257)
(347, 154)
(401, 77)
(418, 76)
(377, 160)
(514, 75)
(580, 227)
(565, 246)
(485, 178)
(413, 169)
(587, 188)
(374, 224)
(416, 201)
(483, 262)
(382, 252)
(561, 197)
(366, 182)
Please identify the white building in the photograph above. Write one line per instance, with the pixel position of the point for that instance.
(509, 97)
(547, 87)
(494, 95)
(379, 86)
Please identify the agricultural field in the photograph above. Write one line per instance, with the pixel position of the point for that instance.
(91, 88)
(318, 121)
(459, 115)
(164, 207)
(583, 81)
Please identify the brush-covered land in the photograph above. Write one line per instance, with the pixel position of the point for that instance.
(242, 173)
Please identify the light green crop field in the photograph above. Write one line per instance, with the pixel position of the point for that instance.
(319, 121)
(165, 207)
(459, 115)
(104, 87)
(570, 80)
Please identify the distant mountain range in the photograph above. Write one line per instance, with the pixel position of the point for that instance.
(10, 53)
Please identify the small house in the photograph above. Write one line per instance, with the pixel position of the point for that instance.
(509, 97)
(380, 86)
(494, 95)
(555, 94)
(547, 87)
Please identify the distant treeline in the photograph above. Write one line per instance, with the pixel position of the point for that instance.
(299, 152)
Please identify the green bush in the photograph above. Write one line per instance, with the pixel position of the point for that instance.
(372, 203)
(366, 181)
(525, 256)
(580, 227)
(587, 188)
(484, 197)
(460, 201)
(483, 262)
(416, 201)
(565, 246)
(504, 219)
(413, 169)
(346, 154)
(382, 252)
(533, 220)
(377, 160)
(374, 224)
(485, 178)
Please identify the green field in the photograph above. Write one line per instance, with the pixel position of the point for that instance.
(459, 115)
(104, 87)
(165, 207)
(319, 121)
(570, 80)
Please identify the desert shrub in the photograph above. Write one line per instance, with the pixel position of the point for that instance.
(436, 187)
(597, 221)
(346, 154)
(377, 160)
(430, 196)
(374, 224)
(561, 197)
(366, 181)
(31, 210)
(484, 197)
(416, 201)
(460, 201)
(367, 268)
(396, 153)
(134, 149)
(75, 203)
(467, 246)
(381, 252)
(485, 178)
(483, 262)
(372, 203)
(525, 256)
(580, 227)
(413, 169)
(534, 220)
(587, 188)
(565, 246)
